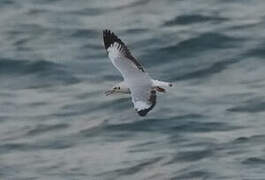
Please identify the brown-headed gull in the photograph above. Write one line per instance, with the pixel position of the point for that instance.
(137, 81)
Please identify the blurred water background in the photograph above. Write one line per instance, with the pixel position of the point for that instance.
(56, 123)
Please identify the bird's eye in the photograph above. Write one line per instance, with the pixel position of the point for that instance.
(115, 88)
(119, 88)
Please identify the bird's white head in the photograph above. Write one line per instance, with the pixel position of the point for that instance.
(119, 88)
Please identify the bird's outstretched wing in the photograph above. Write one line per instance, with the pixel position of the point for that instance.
(138, 81)
(110, 40)
(143, 99)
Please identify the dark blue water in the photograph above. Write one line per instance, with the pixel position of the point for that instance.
(56, 123)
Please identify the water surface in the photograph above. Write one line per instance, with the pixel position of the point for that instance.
(56, 123)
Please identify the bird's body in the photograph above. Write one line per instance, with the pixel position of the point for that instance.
(137, 82)
(122, 87)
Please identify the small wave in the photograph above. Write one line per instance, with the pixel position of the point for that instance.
(46, 128)
(252, 106)
(6, 2)
(74, 109)
(193, 126)
(252, 139)
(254, 161)
(8, 66)
(84, 33)
(191, 47)
(42, 73)
(257, 52)
(196, 174)
(151, 124)
(135, 30)
(89, 11)
(213, 69)
(53, 144)
(148, 125)
(131, 4)
(194, 18)
(206, 41)
(190, 156)
(132, 169)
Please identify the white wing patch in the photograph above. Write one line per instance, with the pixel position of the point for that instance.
(144, 100)
(116, 52)
(141, 105)
(110, 39)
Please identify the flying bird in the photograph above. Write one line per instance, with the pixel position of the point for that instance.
(137, 81)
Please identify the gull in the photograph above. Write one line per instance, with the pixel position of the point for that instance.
(137, 82)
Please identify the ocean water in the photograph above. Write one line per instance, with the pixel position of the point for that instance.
(56, 123)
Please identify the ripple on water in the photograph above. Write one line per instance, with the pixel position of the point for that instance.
(191, 156)
(204, 42)
(40, 145)
(208, 71)
(254, 161)
(250, 106)
(53, 69)
(193, 18)
(35, 73)
(193, 174)
(42, 128)
(257, 52)
(137, 167)
(249, 140)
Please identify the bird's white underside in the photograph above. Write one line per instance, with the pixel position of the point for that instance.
(139, 83)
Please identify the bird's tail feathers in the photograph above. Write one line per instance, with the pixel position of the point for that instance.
(161, 86)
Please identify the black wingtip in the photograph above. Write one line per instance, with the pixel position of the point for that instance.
(106, 38)
(109, 38)
(143, 112)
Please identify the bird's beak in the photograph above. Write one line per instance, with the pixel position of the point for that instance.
(108, 92)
